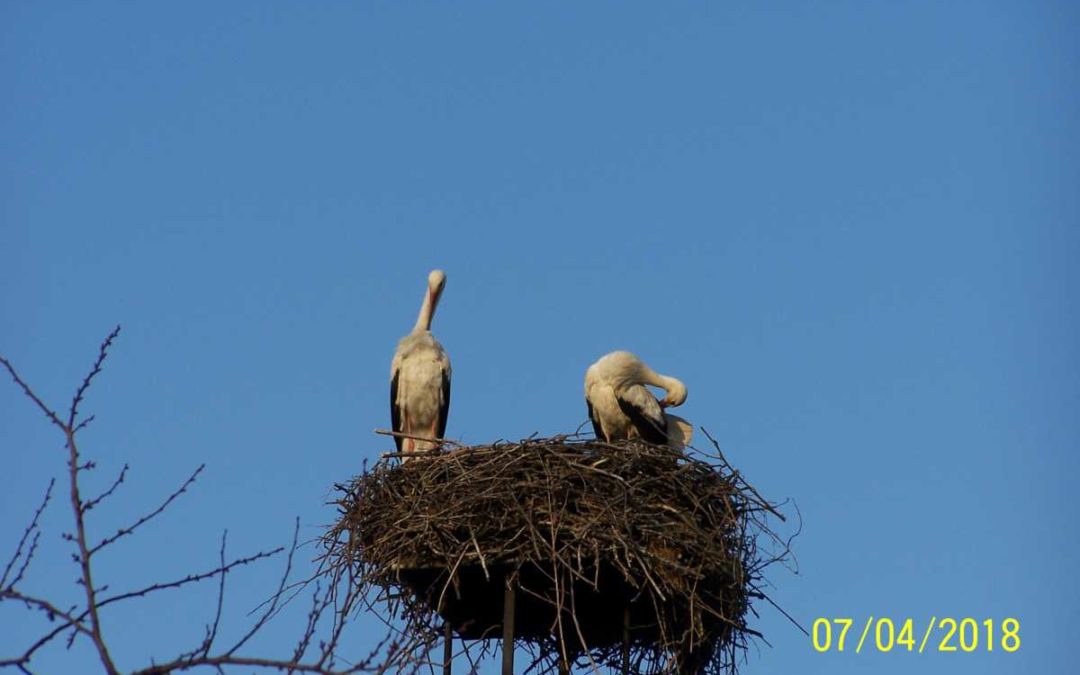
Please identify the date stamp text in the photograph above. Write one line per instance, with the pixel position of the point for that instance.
(946, 634)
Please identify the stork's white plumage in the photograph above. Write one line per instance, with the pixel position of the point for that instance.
(420, 379)
(621, 408)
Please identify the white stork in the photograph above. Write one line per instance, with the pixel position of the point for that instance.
(621, 408)
(420, 379)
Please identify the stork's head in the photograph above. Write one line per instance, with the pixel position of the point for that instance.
(436, 281)
(676, 393)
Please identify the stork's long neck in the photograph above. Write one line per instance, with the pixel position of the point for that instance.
(650, 376)
(674, 388)
(427, 311)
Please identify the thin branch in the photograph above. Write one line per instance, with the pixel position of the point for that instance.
(318, 606)
(103, 353)
(780, 609)
(29, 652)
(273, 604)
(212, 633)
(189, 579)
(30, 393)
(400, 434)
(229, 660)
(761, 500)
(112, 488)
(85, 423)
(124, 531)
(32, 528)
(51, 610)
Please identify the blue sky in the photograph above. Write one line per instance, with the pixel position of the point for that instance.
(851, 229)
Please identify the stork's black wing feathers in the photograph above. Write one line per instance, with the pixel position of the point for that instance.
(650, 430)
(395, 412)
(597, 429)
(444, 409)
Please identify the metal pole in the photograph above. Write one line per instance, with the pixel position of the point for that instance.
(626, 640)
(508, 630)
(448, 649)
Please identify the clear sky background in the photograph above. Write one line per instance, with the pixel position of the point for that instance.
(850, 228)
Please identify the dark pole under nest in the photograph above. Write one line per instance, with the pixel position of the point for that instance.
(448, 648)
(626, 640)
(508, 629)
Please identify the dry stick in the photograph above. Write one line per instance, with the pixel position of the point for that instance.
(564, 667)
(577, 629)
(739, 477)
(449, 579)
(479, 553)
(559, 592)
(400, 434)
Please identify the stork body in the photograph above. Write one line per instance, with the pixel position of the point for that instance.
(621, 407)
(420, 379)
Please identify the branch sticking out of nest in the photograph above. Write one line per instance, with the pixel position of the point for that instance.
(621, 552)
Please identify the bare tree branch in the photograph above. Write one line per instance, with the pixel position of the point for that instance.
(51, 611)
(274, 599)
(189, 579)
(124, 531)
(30, 531)
(87, 580)
(211, 633)
(103, 353)
(30, 393)
(112, 488)
(21, 661)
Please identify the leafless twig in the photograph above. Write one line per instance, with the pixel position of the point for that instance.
(31, 533)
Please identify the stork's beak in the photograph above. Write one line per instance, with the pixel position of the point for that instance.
(435, 290)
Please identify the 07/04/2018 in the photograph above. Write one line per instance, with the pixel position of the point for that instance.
(964, 635)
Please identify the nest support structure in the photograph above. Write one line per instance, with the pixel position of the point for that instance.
(626, 556)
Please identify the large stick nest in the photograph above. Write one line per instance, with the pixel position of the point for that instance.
(620, 552)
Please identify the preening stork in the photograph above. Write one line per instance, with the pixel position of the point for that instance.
(621, 408)
(420, 379)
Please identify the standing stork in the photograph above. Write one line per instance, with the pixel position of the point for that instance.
(621, 408)
(420, 379)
